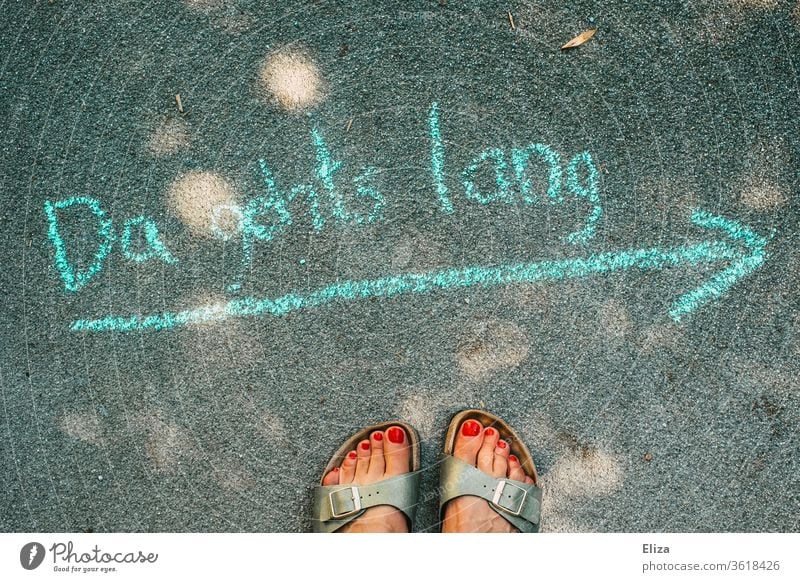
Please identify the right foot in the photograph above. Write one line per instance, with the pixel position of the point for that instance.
(385, 454)
(481, 447)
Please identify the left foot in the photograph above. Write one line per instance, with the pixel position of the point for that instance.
(385, 454)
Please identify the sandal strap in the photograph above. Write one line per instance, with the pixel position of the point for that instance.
(337, 505)
(517, 502)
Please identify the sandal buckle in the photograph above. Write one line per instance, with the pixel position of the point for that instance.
(354, 497)
(498, 497)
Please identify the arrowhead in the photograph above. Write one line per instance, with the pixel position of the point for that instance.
(750, 255)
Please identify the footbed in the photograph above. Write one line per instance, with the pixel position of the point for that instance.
(508, 434)
(350, 444)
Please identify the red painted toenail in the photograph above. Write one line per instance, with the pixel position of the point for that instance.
(335, 469)
(396, 435)
(502, 444)
(513, 458)
(378, 436)
(471, 428)
(489, 432)
(352, 454)
(365, 446)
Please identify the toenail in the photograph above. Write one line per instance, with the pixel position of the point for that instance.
(489, 432)
(502, 444)
(352, 454)
(378, 436)
(335, 469)
(512, 458)
(365, 446)
(470, 428)
(396, 435)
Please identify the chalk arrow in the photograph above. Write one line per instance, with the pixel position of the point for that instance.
(744, 251)
(745, 262)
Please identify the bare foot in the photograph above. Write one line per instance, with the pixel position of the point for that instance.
(386, 454)
(482, 448)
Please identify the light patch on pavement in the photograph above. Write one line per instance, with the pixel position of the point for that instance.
(759, 184)
(165, 442)
(81, 425)
(614, 320)
(659, 337)
(204, 202)
(169, 136)
(560, 523)
(586, 472)
(416, 252)
(292, 79)
(753, 377)
(490, 346)
(273, 427)
(581, 473)
(763, 195)
(231, 475)
(213, 303)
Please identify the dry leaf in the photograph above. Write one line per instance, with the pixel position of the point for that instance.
(580, 39)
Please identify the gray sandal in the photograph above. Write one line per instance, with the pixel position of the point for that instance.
(517, 502)
(337, 505)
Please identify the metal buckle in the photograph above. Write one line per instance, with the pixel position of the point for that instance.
(356, 502)
(498, 494)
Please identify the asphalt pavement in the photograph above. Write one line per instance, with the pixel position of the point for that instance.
(234, 232)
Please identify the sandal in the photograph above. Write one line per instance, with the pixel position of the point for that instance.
(517, 502)
(337, 505)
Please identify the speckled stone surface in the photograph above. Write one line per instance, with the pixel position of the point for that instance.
(637, 423)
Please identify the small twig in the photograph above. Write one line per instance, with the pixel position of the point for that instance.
(511, 20)
(349, 125)
(179, 102)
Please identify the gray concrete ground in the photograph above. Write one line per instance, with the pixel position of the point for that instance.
(637, 422)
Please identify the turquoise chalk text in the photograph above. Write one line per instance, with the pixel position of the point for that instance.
(75, 278)
(336, 195)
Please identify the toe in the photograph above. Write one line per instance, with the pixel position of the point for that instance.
(468, 441)
(377, 463)
(347, 472)
(486, 452)
(396, 451)
(332, 478)
(515, 470)
(362, 461)
(528, 480)
(500, 464)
